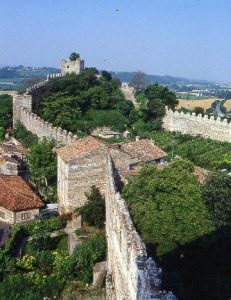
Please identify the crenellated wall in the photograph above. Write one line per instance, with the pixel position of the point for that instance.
(131, 274)
(22, 112)
(38, 126)
(191, 124)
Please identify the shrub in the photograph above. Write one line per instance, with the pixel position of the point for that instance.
(44, 226)
(93, 212)
(26, 137)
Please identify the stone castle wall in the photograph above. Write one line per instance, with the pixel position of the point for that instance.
(42, 129)
(191, 124)
(131, 274)
(22, 112)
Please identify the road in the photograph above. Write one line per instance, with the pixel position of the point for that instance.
(219, 111)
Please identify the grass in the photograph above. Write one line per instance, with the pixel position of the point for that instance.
(63, 244)
(191, 104)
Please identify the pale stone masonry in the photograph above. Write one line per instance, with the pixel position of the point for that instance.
(83, 164)
(68, 67)
(187, 123)
(132, 275)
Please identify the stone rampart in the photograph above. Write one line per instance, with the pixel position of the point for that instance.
(187, 123)
(131, 274)
(38, 126)
(22, 112)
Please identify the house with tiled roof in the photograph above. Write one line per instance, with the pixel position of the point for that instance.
(18, 202)
(143, 151)
(83, 164)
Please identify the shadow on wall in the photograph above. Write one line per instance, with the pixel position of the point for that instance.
(201, 269)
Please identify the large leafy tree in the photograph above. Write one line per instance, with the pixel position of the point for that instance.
(156, 91)
(93, 212)
(167, 205)
(217, 196)
(43, 162)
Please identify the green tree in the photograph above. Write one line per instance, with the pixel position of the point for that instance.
(43, 162)
(6, 111)
(199, 110)
(106, 75)
(156, 91)
(217, 195)
(167, 206)
(93, 212)
(74, 56)
(26, 137)
(7, 264)
(2, 133)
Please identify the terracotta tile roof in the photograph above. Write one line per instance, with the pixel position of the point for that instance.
(80, 147)
(12, 148)
(6, 158)
(143, 150)
(16, 195)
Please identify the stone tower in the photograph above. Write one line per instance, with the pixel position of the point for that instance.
(21, 102)
(68, 66)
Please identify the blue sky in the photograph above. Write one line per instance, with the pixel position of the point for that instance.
(190, 38)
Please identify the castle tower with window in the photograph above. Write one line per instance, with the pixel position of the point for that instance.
(72, 66)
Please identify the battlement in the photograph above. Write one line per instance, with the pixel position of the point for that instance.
(134, 275)
(22, 112)
(187, 123)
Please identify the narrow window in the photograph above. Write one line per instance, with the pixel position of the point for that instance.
(25, 216)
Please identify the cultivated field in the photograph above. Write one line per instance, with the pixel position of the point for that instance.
(8, 92)
(191, 104)
(227, 104)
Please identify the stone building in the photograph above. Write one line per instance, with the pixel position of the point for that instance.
(83, 164)
(12, 158)
(68, 66)
(18, 203)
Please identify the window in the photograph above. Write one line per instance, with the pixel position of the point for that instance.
(25, 216)
(2, 215)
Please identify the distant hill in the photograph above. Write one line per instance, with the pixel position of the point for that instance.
(26, 72)
(166, 80)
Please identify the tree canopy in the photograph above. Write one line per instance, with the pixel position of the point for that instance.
(43, 165)
(167, 206)
(6, 111)
(74, 56)
(217, 195)
(93, 212)
(68, 102)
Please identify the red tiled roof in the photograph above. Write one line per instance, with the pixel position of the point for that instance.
(143, 150)
(84, 145)
(16, 195)
(12, 148)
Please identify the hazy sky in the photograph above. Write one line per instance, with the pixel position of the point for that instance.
(190, 38)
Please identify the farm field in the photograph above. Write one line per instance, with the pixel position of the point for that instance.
(11, 93)
(191, 104)
(227, 104)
